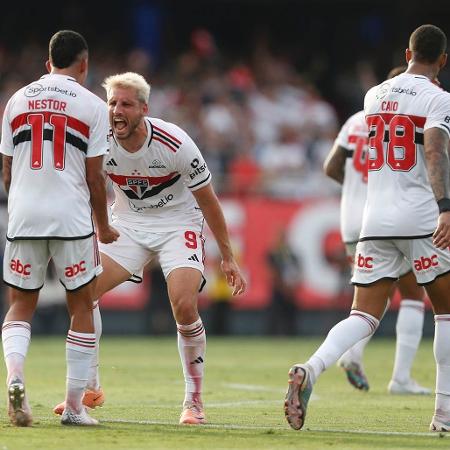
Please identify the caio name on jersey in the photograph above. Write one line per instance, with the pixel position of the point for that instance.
(424, 263)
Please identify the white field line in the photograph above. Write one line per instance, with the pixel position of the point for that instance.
(267, 428)
(286, 428)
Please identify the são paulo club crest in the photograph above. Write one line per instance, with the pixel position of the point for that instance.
(138, 185)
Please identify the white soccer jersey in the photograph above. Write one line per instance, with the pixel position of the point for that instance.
(400, 201)
(353, 137)
(49, 128)
(152, 186)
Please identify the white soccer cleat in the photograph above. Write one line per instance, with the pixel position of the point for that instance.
(411, 387)
(18, 409)
(82, 419)
(439, 423)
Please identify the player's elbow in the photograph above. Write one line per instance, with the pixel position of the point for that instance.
(332, 171)
(327, 168)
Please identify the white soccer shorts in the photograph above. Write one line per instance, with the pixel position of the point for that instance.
(76, 262)
(351, 251)
(136, 248)
(377, 259)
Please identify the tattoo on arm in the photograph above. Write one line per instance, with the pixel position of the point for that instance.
(436, 144)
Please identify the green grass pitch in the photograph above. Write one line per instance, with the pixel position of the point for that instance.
(243, 394)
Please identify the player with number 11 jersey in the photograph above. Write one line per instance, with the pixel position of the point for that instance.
(50, 127)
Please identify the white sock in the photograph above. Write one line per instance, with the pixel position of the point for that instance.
(192, 349)
(355, 354)
(94, 374)
(340, 338)
(442, 355)
(80, 348)
(16, 337)
(409, 333)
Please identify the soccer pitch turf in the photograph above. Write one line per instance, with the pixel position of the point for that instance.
(245, 383)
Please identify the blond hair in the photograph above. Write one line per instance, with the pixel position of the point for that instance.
(128, 80)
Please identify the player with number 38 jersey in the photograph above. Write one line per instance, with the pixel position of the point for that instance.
(398, 112)
(407, 216)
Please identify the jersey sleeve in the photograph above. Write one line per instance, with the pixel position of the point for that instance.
(7, 144)
(342, 137)
(98, 136)
(192, 166)
(439, 115)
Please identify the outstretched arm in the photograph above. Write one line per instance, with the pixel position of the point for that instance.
(212, 211)
(436, 155)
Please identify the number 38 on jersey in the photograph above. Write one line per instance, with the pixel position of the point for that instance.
(393, 140)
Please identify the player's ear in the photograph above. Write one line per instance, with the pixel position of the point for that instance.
(145, 108)
(442, 60)
(83, 65)
(408, 55)
(48, 65)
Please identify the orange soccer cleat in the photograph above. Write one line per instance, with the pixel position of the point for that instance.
(192, 414)
(91, 399)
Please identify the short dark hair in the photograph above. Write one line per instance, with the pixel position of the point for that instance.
(65, 47)
(396, 71)
(428, 43)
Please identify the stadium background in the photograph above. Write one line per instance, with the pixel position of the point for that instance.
(263, 88)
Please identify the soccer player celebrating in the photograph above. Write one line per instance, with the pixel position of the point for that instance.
(407, 214)
(347, 164)
(53, 141)
(163, 191)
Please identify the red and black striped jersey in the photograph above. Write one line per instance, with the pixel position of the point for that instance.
(153, 186)
(49, 128)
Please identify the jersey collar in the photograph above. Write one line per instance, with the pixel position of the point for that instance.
(51, 75)
(149, 131)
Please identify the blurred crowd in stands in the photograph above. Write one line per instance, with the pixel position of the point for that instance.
(247, 83)
(264, 130)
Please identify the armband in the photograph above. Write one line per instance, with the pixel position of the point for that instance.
(444, 205)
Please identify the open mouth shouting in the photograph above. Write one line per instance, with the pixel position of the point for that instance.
(120, 126)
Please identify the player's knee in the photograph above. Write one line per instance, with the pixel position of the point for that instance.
(185, 311)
